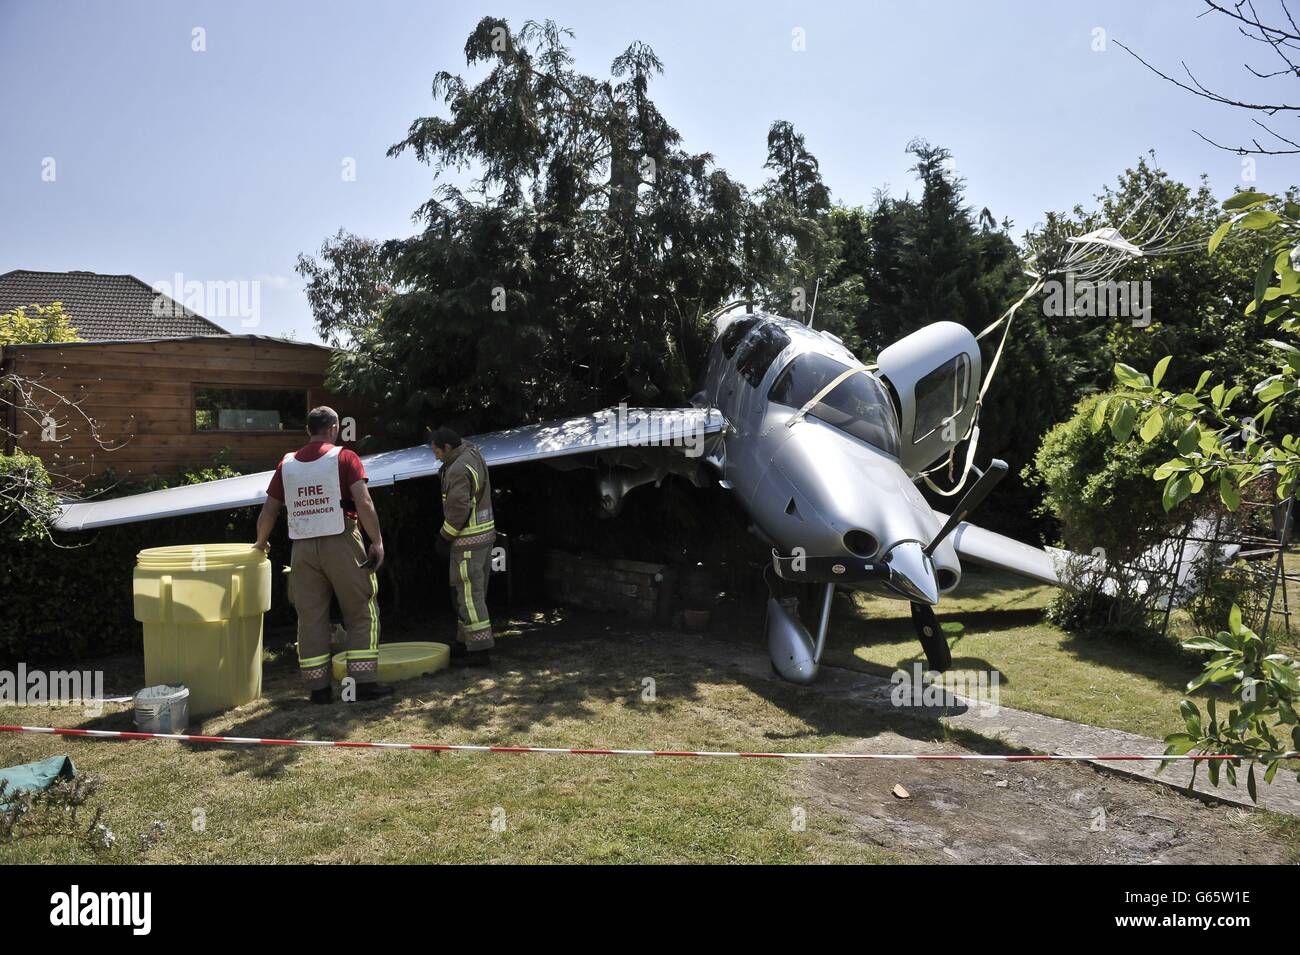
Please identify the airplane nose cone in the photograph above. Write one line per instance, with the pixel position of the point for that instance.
(911, 572)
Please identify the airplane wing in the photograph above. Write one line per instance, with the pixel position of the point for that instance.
(1050, 565)
(681, 428)
(981, 546)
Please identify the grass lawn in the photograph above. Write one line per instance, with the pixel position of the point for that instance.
(1098, 680)
(572, 679)
(568, 686)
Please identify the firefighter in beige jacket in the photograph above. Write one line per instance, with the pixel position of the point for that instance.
(323, 488)
(467, 534)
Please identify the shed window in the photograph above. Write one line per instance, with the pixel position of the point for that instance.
(249, 409)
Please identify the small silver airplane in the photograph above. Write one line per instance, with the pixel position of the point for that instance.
(822, 452)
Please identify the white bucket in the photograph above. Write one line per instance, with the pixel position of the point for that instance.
(162, 709)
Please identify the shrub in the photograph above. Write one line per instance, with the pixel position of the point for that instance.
(1100, 488)
(26, 501)
(1100, 491)
(45, 323)
(1263, 688)
(1221, 586)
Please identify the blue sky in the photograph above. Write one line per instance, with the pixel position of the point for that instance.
(223, 165)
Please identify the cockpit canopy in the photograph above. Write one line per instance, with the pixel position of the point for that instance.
(859, 405)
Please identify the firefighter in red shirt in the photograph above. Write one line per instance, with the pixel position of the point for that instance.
(326, 501)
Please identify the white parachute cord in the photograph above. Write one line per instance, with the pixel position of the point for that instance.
(966, 470)
(972, 433)
(1094, 266)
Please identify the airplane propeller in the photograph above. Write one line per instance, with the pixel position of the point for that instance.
(928, 631)
(924, 621)
(997, 470)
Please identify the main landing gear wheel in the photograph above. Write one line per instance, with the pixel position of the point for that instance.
(928, 631)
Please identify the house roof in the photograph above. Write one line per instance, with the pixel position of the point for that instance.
(104, 307)
(172, 340)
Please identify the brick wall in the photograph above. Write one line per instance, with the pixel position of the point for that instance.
(641, 590)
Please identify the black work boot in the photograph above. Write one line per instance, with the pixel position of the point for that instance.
(458, 650)
(324, 695)
(373, 691)
(477, 658)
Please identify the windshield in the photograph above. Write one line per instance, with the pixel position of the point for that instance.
(859, 405)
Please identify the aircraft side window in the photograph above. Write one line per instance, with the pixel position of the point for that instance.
(940, 395)
(730, 338)
(757, 352)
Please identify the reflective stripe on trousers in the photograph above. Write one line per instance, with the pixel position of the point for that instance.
(325, 566)
(469, 567)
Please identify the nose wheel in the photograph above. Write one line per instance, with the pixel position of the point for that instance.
(795, 655)
(937, 654)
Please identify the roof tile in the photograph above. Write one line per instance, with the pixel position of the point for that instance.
(103, 307)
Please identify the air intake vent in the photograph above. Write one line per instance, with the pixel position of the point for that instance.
(861, 543)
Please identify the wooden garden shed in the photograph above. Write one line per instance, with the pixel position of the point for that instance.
(167, 389)
(163, 406)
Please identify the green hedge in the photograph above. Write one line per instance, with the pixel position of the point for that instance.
(71, 598)
(1101, 490)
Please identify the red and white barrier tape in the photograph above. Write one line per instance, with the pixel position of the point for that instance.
(578, 751)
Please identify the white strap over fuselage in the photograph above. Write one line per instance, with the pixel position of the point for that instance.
(816, 399)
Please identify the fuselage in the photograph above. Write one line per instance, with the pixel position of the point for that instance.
(828, 484)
